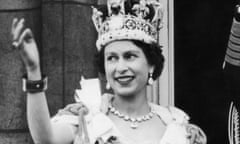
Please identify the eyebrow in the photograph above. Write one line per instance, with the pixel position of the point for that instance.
(130, 51)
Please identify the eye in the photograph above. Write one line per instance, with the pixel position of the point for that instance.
(112, 58)
(130, 56)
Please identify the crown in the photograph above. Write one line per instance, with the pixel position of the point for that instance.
(128, 19)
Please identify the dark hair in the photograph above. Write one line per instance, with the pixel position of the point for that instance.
(153, 53)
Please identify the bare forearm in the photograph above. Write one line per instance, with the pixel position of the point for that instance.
(38, 113)
(41, 128)
(38, 117)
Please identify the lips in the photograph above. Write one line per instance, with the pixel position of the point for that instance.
(124, 80)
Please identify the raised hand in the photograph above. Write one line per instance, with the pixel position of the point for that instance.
(82, 136)
(24, 41)
(74, 109)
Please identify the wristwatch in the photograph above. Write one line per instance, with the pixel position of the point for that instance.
(31, 86)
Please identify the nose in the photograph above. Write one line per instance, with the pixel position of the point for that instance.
(121, 66)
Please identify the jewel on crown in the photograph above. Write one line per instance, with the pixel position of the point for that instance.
(128, 19)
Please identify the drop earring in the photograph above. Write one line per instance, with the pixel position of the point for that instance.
(108, 86)
(150, 79)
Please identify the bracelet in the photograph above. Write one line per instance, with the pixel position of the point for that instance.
(31, 86)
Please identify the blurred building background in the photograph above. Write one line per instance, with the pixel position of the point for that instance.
(202, 29)
(66, 39)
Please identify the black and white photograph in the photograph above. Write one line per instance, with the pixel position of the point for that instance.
(119, 72)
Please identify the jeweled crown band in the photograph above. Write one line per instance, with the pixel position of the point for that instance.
(126, 27)
(127, 22)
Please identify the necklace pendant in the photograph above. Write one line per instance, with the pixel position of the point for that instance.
(134, 125)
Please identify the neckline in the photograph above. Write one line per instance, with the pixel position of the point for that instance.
(163, 113)
(131, 141)
(134, 121)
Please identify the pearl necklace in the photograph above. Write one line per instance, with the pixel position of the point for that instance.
(134, 121)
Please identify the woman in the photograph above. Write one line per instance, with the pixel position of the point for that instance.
(131, 59)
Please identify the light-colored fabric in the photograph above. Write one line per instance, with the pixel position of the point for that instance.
(100, 126)
(178, 130)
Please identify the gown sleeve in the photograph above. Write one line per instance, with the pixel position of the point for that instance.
(179, 130)
(194, 134)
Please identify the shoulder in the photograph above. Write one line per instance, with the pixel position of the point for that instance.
(170, 114)
(179, 126)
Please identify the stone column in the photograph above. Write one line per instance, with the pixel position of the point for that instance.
(13, 124)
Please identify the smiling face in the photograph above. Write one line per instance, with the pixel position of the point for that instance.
(126, 68)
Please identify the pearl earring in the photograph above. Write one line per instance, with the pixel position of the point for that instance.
(108, 86)
(150, 79)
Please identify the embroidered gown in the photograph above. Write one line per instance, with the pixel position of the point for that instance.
(99, 126)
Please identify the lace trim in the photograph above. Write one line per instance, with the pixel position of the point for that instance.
(195, 134)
